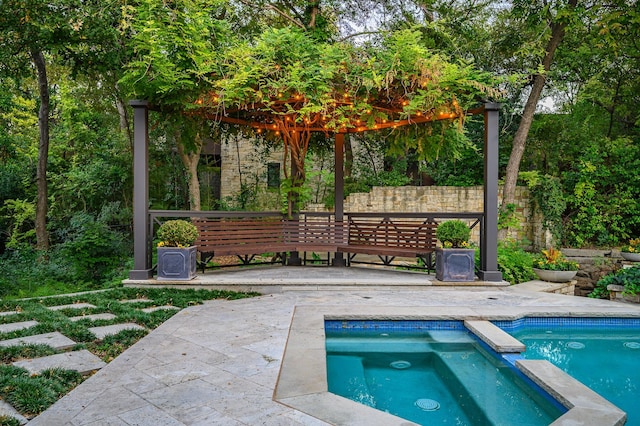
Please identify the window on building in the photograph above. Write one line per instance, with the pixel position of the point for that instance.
(273, 175)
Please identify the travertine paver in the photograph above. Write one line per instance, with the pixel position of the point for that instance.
(14, 326)
(7, 313)
(82, 361)
(218, 363)
(71, 306)
(104, 331)
(142, 299)
(94, 317)
(9, 411)
(159, 308)
(55, 339)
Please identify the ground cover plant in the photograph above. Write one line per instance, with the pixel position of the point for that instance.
(32, 394)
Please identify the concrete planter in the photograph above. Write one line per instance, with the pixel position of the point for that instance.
(455, 264)
(176, 264)
(631, 257)
(555, 276)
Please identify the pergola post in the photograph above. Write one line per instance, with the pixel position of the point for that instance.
(338, 259)
(489, 247)
(142, 269)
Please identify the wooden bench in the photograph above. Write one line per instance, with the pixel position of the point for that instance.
(246, 238)
(389, 239)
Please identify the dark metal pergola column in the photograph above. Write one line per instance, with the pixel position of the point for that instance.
(142, 268)
(338, 259)
(489, 247)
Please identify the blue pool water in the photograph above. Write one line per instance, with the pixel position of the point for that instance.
(602, 354)
(430, 376)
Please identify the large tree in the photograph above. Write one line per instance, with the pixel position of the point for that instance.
(32, 34)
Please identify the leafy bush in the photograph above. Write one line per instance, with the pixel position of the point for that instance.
(453, 233)
(177, 233)
(514, 263)
(92, 248)
(628, 277)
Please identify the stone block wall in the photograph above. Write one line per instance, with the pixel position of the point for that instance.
(447, 199)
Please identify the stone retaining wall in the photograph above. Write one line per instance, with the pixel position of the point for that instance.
(594, 264)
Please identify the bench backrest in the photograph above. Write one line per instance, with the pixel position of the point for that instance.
(316, 232)
(225, 232)
(387, 233)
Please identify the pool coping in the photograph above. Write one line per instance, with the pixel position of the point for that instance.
(302, 381)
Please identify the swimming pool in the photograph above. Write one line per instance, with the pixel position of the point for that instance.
(302, 381)
(602, 353)
(432, 372)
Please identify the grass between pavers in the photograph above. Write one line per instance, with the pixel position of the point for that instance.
(31, 395)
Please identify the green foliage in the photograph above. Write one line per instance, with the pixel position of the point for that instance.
(514, 262)
(21, 227)
(9, 421)
(10, 354)
(175, 45)
(548, 196)
(33, 394)
(627, 277)
(113, 345)
(92, 247)
(604, 194)
(508, 218)
(453, 233)
(177, 233)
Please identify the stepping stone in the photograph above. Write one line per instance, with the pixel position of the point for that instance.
(8, 411)
(82, 361)
(94, 317)
(158, 308)
(136, 300)
(71, 306)
(6, 314)
(102, 332)
(55, 339)
(7, 328)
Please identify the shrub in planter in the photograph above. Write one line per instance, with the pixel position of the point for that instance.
(552, 266)
(455, 261)
(177, 233)
(453, 234)
(176, 253)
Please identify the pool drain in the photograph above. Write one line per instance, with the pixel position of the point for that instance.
(575, 345)
(632, 345)
(400, 365)
(427, 404)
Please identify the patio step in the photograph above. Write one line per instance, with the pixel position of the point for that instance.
(93, 317)
(83, 361)
(56, 340)
(15, 326)
(104, 331)
(8, 411)
(71, 306)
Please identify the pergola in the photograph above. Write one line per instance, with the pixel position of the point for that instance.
(283, 118)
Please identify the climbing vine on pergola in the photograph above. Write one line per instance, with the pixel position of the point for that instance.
(289, 85)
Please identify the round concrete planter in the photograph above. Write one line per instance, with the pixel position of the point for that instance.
(555, 276)
(632, 257)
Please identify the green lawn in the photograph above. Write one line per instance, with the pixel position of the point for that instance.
(31, 395)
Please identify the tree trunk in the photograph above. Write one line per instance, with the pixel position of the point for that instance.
(520, 138)
(348, 156)
(190, 161)
(42, 238)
